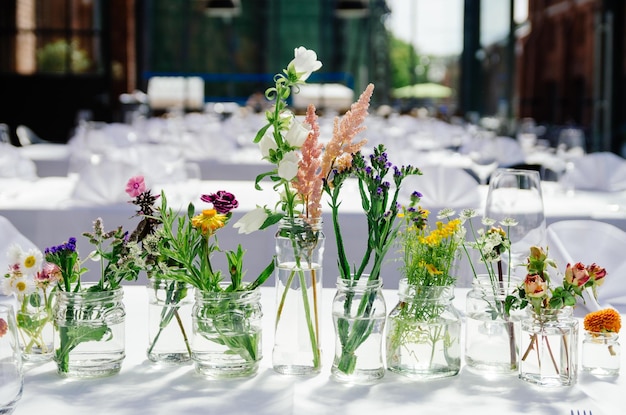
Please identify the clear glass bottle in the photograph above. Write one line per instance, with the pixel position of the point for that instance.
(491, 335)
(424, 333)
(549, 347)
(169, 321)
(601, 353)
(35, 322)
(227, 333)
(11, 370)
(359, 314)
(299, 254)
(89, 339)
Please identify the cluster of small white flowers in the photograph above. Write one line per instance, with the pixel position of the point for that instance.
(23, 267)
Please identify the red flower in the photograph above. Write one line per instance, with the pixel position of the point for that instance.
(577, 274)
(222, 201)
(4, 327)
(596, 273)
(535, 286)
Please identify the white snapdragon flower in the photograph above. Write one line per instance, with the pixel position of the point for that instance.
(297, 134)
(288, 166)
(304, 63)
(251, 221)
(267, 143)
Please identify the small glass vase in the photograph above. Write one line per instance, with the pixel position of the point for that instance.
(359, 314)
(89, 339)
(549, 347)
(299, 253)
(424, 333)
(491, 335)
(35, 324)
(601, 353)
(227, 333)
(169, 321)
(11, 370)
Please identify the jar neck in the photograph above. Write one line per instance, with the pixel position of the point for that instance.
(239, 296)
(551, 314)
(85, 296)
(362, 284)
(314, 224)
(436, 294)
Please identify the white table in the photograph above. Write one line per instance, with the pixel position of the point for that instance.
(145, 388)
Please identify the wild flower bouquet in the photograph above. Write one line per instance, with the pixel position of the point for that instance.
(90, 313)
(379, 184)
(292, 147)
(32, 281)
(183, 248)
(552, 333)
(423, 336)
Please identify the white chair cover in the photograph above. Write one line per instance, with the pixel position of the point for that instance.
(590, 241)
(602, 171)
(442, 187)
(14, 164)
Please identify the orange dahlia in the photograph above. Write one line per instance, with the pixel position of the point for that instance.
(602, 321)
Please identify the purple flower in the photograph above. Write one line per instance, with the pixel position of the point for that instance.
(222, 201)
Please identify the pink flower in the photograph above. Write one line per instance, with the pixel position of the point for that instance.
(222, 201)
(135, 186)
(577, 274)
(535, 286)
(596, 273)
(49, 274)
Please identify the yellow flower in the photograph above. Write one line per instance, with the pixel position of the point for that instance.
(209, 221)
(433, 270)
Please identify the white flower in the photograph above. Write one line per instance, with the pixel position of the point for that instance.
(304, 63)
(297, 134)
(31, 261)
(288, 166)
(19, 285)
(267, 143)
(251, 221)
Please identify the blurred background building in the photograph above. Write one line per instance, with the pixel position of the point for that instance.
(561, 63)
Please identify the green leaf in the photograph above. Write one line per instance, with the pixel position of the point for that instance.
(261, 133)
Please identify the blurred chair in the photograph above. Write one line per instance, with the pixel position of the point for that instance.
(601, 171)
(5, 134)
(591, 241)
(26, 136)
(442, 187)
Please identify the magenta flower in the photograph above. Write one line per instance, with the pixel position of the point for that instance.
(4, 327)
(222, 201)
(135, 186)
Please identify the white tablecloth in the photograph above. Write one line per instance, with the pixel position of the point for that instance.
(145, 388)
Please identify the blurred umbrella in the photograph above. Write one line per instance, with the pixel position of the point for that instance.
(425, 90)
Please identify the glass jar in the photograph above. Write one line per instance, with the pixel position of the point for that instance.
(89, 339)
(11, 370)
(169, 321)
(299, 254)
(424, 333)
(601, 353)
(359, 313)
(35, 323)
(227, 333)
(491, 335)
(549, 347)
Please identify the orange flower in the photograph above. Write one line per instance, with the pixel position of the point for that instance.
(602, 321)
(209, 221)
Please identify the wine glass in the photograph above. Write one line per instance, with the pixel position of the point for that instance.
(11, 372)
(516, 194)
(571, 145)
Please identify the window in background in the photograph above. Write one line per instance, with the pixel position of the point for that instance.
(57, 36)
